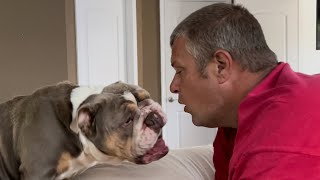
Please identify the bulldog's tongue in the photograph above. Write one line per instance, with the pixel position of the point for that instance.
(158, 151)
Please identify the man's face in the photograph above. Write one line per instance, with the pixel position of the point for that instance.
(201, 94)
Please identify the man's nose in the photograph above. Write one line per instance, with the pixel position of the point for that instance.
(174, 87)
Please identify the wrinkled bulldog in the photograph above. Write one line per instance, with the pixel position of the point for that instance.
(60, 131)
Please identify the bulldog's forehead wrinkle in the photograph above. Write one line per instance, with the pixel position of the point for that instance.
(129, 96)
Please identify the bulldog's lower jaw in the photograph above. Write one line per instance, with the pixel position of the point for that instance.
(159, 150)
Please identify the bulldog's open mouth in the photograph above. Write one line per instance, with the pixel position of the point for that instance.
(158, 151)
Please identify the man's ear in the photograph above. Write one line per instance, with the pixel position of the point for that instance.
(223, 64)
(86, 122)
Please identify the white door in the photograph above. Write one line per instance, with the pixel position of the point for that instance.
(280, 23)
(179, 131)
(106, 41)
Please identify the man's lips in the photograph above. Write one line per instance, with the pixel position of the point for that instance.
(186, 109)
(180, 101)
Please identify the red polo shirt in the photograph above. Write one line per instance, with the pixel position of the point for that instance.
(278, 134)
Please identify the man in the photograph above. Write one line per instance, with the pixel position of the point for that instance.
(227, 77)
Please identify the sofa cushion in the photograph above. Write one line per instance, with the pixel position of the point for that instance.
(185, 163)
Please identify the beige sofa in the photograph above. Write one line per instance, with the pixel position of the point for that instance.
(193, 163)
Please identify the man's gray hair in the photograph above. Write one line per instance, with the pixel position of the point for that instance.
(229, 27)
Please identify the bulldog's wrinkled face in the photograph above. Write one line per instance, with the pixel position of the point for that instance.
(124, 122)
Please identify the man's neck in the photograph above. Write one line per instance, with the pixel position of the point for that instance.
(243, 83)
(249, 81)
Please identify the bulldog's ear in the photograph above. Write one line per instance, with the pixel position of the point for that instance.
(141, 94)
(86, 122)
(120, 87)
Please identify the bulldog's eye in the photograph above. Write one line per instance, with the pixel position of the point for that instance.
(128, 122)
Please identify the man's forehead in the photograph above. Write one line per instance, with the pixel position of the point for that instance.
(179, 52)
(176, 62)
(175, 53)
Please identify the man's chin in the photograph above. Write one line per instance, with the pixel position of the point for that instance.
(196, 122)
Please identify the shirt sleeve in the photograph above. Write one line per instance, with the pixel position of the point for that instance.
(277, 165)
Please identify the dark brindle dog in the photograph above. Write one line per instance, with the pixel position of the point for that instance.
(60, 131)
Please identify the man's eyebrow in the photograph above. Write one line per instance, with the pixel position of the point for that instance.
(172, 63)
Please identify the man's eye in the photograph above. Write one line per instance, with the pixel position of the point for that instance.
(178, 72)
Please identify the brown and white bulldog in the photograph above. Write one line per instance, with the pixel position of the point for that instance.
(60, 131)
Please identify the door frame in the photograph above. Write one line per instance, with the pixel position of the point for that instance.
(163, 62)
(131, 61)
(173, 141)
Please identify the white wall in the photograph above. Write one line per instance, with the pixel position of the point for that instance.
(309, 57)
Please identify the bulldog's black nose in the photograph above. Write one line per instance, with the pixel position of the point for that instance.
(154, 122)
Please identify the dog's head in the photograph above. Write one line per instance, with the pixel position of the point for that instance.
(123, 122)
